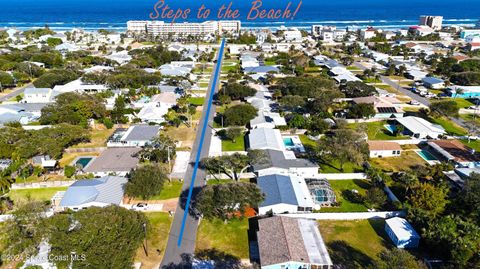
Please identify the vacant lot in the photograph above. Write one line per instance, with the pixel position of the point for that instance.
(407, 161)
(231, 237)
(354, 244)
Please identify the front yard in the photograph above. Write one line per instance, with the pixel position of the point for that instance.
(238, 145)
(450, 127)
(230, 237)
(170, 190)
(354, 244)
(158, 231)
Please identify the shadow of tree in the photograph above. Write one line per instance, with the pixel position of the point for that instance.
(345, 256)
(378, 226)
(185, 263)
(222, 260)
(192, 208)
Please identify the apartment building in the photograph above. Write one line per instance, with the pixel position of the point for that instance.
(434, 22)
(161, 28)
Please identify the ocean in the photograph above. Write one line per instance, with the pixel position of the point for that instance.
(107, 14)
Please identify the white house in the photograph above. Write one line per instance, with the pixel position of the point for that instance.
(420, 128)
(433, 83)
(266, 138)
(37, 95)
(401, 233)
(285, 194)
(99, 192)
(153, 112)
(134, 136)
(380, 149)
(114, 161)
(80, 87)
(285, 162)
(266, 119)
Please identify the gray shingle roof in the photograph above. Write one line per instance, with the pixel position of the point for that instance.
(142, 133)
(278, 189)
(114, 160)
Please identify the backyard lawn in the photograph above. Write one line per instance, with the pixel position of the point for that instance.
(68, 158)
(239, 145)
(462, 103)
(98, 138)
(335, 167)
(449, 126)
(170, 190)
(377, 131)
(407, 161)
(158, 228)
(354, 244)
(474, 144)
(230, 237)
(41, 194)
(307, 142)
(343, 192)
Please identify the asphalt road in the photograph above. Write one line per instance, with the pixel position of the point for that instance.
(175, 256)
(15, 93)
(414, 96)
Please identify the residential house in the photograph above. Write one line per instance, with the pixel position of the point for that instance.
(114, 161)
(134, 136)
(101, 192)
(15, 113)
(37, 95)
(401, 233)
(433, 83)
(265, 138)
(285, 242)
(267, 120)
(420, 128)
(80, 87)
(285, 194)
(153, 112)
(368, 33)
(285, 162)
(380, 149)
(5, 163)
(175, 70)
(44, 161)
(262, 69)
(456, 152)
(416, 75)
(385, 107)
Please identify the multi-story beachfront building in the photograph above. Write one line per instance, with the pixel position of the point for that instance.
(161, 28)
(434, 22)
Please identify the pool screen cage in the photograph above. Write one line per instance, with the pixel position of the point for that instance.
(321, 191)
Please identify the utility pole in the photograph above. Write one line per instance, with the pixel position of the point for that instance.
(146, 242)
(169, 165)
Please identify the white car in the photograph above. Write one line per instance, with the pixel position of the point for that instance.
(140, 206)
(414, 103)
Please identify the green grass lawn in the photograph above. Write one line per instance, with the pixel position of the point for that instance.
(225, 181)
(406, 162)
(342, 189)
(372, 80)
(170, 190)
(270, 63)
(197, 101)
(239, 145)
(377, 131)
(474, 144)
(228, 68)
(462, 103)
(354, 244)
(43, 194)
(449, 126)
(307, 142)
(353, 68)
(334, 167)
(159, 224)
(231, 237)
(471, 117)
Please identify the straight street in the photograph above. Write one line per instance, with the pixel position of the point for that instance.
(179, 252)
(414, 96)
(15, 92)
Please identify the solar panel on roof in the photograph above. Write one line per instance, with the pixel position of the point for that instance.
(387, 110)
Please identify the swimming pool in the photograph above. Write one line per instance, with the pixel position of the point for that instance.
(288, 142)
(391, 128)
(427, 156)
(83, 161)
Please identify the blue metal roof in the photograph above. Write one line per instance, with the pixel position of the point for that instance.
(432, 80)
(261, 69)
(278, 189)
(107, 190)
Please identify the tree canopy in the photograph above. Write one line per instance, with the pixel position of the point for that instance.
(354, 89)
(73, 108)
(237, 91)
(225, 201)
(146, 181)
(239, 115)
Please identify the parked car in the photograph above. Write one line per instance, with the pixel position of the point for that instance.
(414, 103)
(140, 206)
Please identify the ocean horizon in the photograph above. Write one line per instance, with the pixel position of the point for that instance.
(103, 14)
